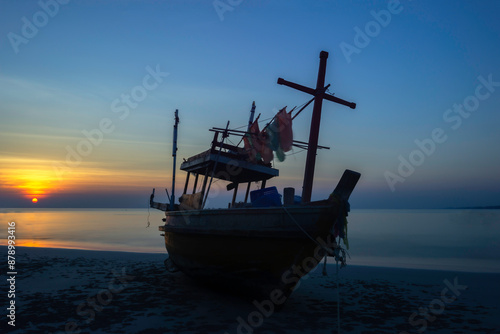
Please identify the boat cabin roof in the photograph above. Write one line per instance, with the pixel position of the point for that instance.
(229, 165)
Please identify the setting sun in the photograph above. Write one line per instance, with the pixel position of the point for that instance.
(34, 200)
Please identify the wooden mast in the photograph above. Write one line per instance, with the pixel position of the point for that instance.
(252, 113)
(174, 155)
(319, 94)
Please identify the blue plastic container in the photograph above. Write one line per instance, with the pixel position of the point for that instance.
(297, 199)
(265, 197)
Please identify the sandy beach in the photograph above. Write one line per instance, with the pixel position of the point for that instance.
(79, 291)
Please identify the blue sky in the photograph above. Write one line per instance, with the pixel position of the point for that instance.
(404, 76)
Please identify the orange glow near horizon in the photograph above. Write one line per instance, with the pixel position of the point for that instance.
(33, 182)
(30, 178)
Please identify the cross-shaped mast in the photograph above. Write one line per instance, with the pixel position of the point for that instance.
(319, 94)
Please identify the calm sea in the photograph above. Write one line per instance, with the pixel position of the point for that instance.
(465, 240)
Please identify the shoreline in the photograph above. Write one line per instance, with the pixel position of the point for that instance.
(433, 264)
(66, 290)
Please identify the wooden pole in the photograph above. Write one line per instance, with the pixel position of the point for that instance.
(234, 194)
(248, 190)
(252, 113)
(314, 132)
(187, 183)
(195, 183)
(319, 94)
(174, 155)
(203, 188)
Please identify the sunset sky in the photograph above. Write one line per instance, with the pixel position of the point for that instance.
(88, 90)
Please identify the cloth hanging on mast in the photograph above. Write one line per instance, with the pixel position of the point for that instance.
(250, 141)
(279, 134)
(255, 144)
(273, 132)
(277, 137)
(266, 152)
(273, 139)
(285, 126)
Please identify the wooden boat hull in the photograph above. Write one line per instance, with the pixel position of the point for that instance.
(261, 249)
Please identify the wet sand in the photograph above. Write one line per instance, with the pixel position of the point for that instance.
(76, 291)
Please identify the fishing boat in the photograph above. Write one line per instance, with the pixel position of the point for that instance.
(267, 242)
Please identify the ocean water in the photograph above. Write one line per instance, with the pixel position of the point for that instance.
(464, 240)
(91, 229)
